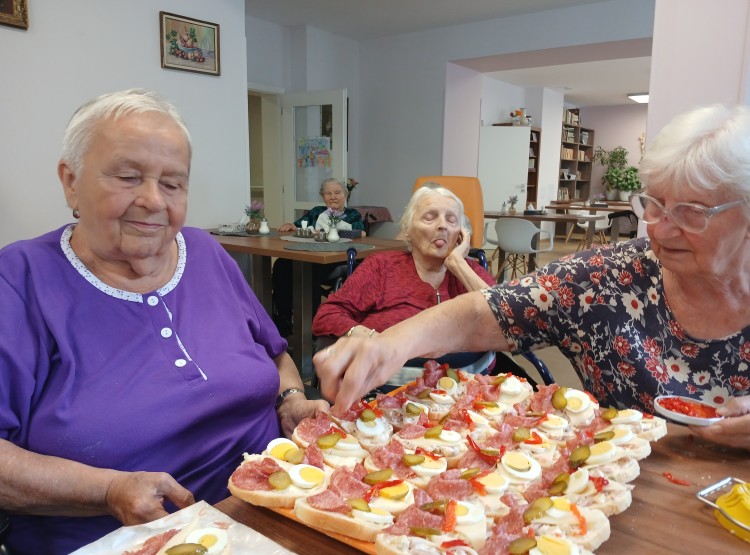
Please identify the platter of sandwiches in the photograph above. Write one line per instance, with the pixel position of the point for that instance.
(461, 464)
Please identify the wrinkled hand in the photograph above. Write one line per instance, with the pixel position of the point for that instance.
(138, 497)
(734, 429)
(295, 408)
(287, 227)
(461, 250)
(352, 366)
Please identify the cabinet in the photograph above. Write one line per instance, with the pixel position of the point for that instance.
(532, 173)
(576, 154)
(503, 165)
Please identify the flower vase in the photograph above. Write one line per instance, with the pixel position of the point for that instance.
(512, 211)
(333, 235)
(624, 195)
(264, 229)
(252, 226)
(612, 194)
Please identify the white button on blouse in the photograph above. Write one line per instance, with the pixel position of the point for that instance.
(180, 362)
(166, 333)
(153, 300)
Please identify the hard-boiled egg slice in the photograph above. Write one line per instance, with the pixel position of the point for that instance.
(554, 545)
(449, 436)
(375, 516)
(306, 476)
(430, 467)
(394, 499)
(492, 411)
(520, 466)
(627, 416)
(554, 425)
(448, 385)
(478, 420)
(441, 398)
(623, 435)
(560, 510)
(542, 447)
(494, 483)
(278, 447)
(602, 453)
(409, 412)
(213, 539)
(348, 443)
(468, 513)
(578, 401)
(373, 428)
(511, 386)
(578, 481)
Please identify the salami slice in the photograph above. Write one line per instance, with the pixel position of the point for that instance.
(328, 501)
(154, 543)
(253, 475)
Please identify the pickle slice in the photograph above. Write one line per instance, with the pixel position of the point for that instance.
(424, 394)
(562, 477)
(486, 404)
(521, 434)
(499, 379)
(424, 532)
(327, 441)
(368, 415)
(435, 507)
(294, 456)
(359, 504)
(536, 509)
(609, 414)
(412, 460)
(280, 479)
(604, 436)
(452, 373)
(187, 549)
(413, 409)
(521, 546)
(557, 488)
(434, 432)
(558, 399)
(378, 476)
(470, 473)
(579, 455)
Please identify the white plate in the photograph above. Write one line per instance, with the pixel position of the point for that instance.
(684, 418)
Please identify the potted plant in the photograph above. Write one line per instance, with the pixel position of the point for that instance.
(253, 214)
(512, 201)
(619, 178)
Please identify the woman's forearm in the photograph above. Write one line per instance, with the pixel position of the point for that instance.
(460, 268)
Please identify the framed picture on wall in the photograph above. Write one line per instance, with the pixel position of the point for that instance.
(189, 44)
(14, 13)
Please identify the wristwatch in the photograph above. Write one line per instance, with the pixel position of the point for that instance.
(286, 393)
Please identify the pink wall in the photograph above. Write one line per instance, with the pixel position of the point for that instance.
(615, 126)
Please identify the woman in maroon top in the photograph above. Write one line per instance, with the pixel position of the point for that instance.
(392, 286)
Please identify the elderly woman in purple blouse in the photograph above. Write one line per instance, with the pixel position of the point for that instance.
(136, 365)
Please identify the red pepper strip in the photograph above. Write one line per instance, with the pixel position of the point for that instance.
(454, 543)
(373, 491)
(535, 439)
(335, 430)
(492, 459)
(450, 516)
(478, 486)
(440, 391)
(422, 451)
(579, 516)
(598, 482)
(678, 481)
(467, 418)
(462, 376)
(647, 415)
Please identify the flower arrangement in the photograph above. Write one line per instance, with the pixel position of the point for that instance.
(351, 183)
(254, 210)
(513, 200)
(334, 216)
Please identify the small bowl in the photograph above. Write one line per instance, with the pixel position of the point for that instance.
(684, 418)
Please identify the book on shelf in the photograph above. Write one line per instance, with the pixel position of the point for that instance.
(584, 137)
(534, 137)
(567, 153)
(531, 153)
(532, 163)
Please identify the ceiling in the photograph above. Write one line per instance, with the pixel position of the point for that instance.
(591, 83)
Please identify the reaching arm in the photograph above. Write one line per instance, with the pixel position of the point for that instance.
(295, 406)
(353, 366)
(38, 484)
(734, 429)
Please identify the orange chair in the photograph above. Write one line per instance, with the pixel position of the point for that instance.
(469, 190)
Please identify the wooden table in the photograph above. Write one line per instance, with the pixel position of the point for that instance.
(262, 248)
(549, 217)
(611, 206)
(664, 519)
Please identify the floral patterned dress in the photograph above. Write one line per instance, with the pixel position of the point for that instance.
(606, 311)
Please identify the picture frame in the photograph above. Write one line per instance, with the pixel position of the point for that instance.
(14, 13)
(189, 44)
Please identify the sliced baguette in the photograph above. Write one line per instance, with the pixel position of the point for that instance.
(339, 523)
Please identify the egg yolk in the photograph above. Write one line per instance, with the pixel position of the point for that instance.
(574, 403)
(446, 383)
(312, 474)
(492, 480)
(552, 546)
(561, 504)
(209, 540)
(280, 450)
(395, 492)
(517, 461)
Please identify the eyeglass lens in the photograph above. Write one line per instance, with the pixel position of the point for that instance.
(687, 216)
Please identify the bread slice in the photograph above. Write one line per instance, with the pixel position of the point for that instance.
(597, 527)
(346, 524)
(347, 452)
(391, 544)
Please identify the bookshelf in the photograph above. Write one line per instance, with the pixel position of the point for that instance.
(576, 151)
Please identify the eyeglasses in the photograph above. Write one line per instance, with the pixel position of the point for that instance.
(691, 217)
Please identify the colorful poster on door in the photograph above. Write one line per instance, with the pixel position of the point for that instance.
(314, 152)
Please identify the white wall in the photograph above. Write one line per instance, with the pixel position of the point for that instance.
(76, 50)
(461, 116)
(615, 126)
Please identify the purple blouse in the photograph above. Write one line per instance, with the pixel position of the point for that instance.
(179, 380)
(606, 311)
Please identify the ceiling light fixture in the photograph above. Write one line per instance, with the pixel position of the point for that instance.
(640, 98)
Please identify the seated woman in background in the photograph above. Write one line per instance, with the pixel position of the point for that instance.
(663, 315)
(334, 195)
(392, 286)
(136, 365)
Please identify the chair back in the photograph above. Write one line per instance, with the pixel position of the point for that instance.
(469, 190)
(516, 236)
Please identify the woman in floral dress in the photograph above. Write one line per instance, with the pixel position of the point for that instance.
(660, 315)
